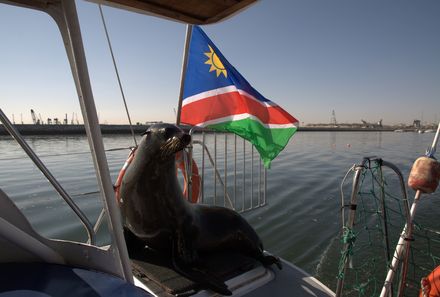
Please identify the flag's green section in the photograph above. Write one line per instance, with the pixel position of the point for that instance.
(268, 142)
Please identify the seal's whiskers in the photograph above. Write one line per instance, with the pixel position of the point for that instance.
(171, 146)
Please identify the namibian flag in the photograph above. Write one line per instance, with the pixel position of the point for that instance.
(216, 96)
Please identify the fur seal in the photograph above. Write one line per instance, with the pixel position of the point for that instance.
(155, 211)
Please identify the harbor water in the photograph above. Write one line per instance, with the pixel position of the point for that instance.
(300, 223)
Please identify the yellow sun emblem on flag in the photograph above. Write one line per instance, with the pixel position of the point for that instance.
(216, 64)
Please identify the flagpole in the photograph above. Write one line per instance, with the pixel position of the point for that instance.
(184, 66)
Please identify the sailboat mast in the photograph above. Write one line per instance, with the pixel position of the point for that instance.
(184, 67)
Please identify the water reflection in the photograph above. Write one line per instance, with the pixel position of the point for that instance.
(333, 140)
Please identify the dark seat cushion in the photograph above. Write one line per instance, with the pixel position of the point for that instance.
(42, 279)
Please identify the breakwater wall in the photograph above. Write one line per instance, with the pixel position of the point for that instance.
(72, 129)
(138, 129)
(346, 129)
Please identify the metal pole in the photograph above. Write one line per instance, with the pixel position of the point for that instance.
(244, 174)
(252, 176)
(203, 166)
(431, 151)
(400, 248)
(99, 220)
(183, 73)
(259, 183)
(215, 167)
(408, 234)
(235, 170)
(189, 165)
(384, 220)
(407, 230)
(17, 136)
(117, 74)
(384, 214)
(265, 186)
(75, 50)
(225, 187)
(350, 223)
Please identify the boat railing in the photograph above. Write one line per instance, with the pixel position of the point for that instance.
(232, 174)
(80, 214)
(371, 210)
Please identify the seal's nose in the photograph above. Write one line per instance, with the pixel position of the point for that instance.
(186, 138)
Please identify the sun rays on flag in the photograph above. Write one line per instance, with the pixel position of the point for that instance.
(216, 64)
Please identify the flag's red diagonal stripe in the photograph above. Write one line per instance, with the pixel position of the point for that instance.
(232, 103)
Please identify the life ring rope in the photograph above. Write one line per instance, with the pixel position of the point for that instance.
(194, 181)
(117, 185)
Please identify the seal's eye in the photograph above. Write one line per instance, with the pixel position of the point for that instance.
(168, 133)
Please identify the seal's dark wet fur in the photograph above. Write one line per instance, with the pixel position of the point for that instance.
(155, 211)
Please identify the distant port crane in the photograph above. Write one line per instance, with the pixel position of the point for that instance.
(34, 118)
(333, 121)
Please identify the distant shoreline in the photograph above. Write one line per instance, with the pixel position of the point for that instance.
(346, 129)
(29, 129)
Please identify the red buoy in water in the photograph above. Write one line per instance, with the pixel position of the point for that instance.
(424, 175)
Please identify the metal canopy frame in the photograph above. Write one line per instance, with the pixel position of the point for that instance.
(65, 15)
(199, 12)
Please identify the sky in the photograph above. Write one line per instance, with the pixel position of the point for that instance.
(367, 60)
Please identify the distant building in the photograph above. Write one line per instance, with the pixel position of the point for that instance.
(366, 124)
(416, 124)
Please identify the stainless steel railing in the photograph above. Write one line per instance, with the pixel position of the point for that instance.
(349, 223)
(20, 140)
(241, 186)
(242, 190)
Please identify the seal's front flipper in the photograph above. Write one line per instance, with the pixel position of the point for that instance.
(268, 260)
(134, 243)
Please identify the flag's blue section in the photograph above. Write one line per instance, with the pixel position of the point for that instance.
(199, 79)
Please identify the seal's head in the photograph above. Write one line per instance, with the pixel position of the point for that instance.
(165, 140)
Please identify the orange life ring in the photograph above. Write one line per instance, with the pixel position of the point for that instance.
(121, 174)
(431, 284)
(196, 181)
(195, 177)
